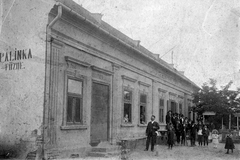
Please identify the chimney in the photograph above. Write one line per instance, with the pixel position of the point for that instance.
(136, 42)
(97, 16)
(171, 65)
(181, 72)
(156, 55)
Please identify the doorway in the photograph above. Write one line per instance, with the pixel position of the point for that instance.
(174, 107)
(99, 113)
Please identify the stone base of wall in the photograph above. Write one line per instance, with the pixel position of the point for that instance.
(62, 153)
(19, 150)
(133, 143)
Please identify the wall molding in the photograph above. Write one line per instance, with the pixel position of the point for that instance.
(88, 49)
(162, 90)
(76, 61)
(102, 70)
(173, 94)
(144, 84)
(129, 78)
(179, 96)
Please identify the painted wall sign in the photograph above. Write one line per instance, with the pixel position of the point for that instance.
(11, 59)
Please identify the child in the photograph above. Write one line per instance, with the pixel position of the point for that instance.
(183, 133)
(215, 138)
(229, 143)
(200, 136)
(188, 139)
(205, 135)
(170, 135)
(126, 120)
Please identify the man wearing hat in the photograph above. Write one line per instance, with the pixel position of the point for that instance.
(151, 134)
(169, 117)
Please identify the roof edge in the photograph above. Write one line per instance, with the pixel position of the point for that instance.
(127, 41)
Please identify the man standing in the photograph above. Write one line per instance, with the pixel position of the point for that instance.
(193, 133)
(151, 134)
(169, 117)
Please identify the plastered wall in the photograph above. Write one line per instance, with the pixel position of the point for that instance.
(25, 86)
(129, 69)
(22, 73)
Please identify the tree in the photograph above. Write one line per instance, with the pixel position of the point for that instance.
(221, 101)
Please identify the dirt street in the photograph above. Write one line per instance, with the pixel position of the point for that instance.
(180, 153)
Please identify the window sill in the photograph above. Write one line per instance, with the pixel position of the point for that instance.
(74, 127)
(142, 125)
(127, 125)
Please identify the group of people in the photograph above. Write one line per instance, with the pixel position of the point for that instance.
(186, 131)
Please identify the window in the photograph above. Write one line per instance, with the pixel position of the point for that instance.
(189, 111)
(168, 108)
(74, 101)
(143, 106)
(127, 106)
(180, 108)
(173, 107)
(161, 110)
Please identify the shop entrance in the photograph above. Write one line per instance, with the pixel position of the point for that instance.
(99, 113)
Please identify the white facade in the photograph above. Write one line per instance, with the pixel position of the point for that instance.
(53, 55)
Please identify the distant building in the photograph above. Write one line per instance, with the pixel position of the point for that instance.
(70, 81)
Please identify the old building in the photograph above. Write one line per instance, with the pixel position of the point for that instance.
(70, 81)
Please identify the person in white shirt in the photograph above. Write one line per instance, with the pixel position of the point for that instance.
(126, 119)
(200, 136)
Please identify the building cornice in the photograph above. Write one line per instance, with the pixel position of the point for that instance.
(107, 30)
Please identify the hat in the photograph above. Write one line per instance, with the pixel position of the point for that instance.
(214, 131)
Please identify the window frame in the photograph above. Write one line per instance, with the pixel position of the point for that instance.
(175, 106)
(161, 107)
(142, 104)
(68, 125)
(80, 96)
(131, 90)
(189, 111)
(180, 104)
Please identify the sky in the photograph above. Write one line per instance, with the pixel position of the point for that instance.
(200, 37)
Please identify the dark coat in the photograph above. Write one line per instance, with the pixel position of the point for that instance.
(183, 130)
(229, 143)
(206, 132)
(193, 130)
(170, 135)
(168, 119)
(152, 128)
(178, 127)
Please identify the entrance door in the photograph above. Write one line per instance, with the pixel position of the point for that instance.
(173, 107)
(99, 113)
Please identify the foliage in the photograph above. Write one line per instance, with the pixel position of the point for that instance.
(221, 101)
